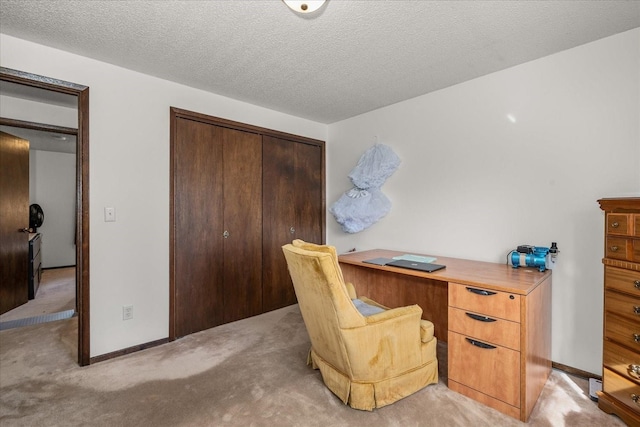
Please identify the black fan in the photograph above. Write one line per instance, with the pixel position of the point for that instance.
(36, 217)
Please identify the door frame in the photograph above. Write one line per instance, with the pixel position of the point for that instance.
(82, 193)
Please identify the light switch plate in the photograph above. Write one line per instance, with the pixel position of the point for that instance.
(109, 214)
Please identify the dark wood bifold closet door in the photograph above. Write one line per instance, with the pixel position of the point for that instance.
(242, 238)
(238, 194)
(198, 213)
(218, 225)
(293, 205)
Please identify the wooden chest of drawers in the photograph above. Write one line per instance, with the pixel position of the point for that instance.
(621, 346)
(496, 355)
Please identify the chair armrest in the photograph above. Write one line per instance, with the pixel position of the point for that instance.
(387, 345)
(426, 330)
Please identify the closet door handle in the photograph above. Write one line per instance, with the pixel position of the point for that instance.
(480, 292)
(480, 318)
(225, 234)
(480, 344)
(292, 230)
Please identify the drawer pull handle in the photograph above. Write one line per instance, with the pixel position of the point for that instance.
(635, 398)
(636, 337)
(636, 284)
(481, 344)
(615, 225)
(480, 292)
(636, 309)
(483, 318)
(634, 371)
(614, 248)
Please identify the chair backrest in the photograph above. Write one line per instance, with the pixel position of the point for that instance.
(323, 299)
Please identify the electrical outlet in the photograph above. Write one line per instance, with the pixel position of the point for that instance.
(127, 312)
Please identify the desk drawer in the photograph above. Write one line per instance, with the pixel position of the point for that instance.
(490, 329)
(494, 370)
(622, 280)
(490, 303)
(622, 389)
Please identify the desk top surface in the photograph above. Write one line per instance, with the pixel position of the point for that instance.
(501, 277)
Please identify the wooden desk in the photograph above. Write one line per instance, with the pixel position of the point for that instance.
(499, 350)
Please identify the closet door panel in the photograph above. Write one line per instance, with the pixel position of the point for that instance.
(279, 226)
(242, 205)
(198, 263)
(309, 195)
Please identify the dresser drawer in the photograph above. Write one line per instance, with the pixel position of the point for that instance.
(622, 280)
(621, 224)
(487, 302)
(622, 330)
(622, 305)
(622, 361)
(636, 228)
(619, 248)
(494, 370)
(623, 390)
(484, 328)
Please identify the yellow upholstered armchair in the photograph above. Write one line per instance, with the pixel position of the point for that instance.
(369, 355)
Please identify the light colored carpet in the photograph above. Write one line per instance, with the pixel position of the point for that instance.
(57, 293)
(247, 373)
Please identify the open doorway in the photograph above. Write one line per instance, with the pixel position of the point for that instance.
(51, 190)
(35, 86)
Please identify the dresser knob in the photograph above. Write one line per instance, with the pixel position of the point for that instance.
(636, 309)
(636, 337)
(615, 225)
(636, 284)
(614, 248)
(634, 371)
(635, 398)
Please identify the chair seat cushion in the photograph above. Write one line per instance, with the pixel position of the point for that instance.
(366, 309)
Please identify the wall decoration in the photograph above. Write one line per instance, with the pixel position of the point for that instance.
(365, 204)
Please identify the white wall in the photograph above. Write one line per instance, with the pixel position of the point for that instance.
(129, 170)
(474, 185)
(52, 185)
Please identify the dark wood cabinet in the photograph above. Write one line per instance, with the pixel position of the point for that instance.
(238, 193)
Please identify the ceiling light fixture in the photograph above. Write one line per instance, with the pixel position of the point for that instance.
(304, 6)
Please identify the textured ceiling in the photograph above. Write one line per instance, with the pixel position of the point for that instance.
(348, 58)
